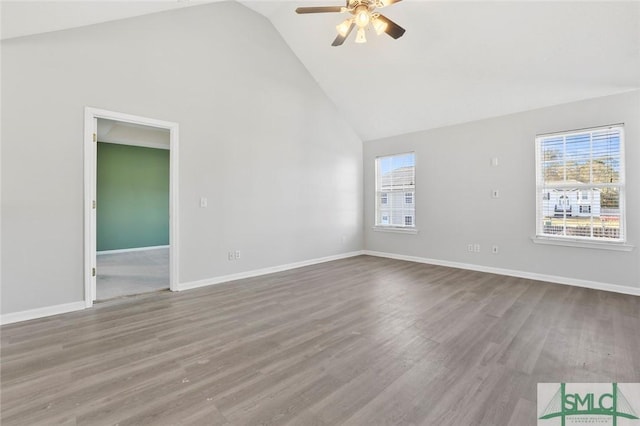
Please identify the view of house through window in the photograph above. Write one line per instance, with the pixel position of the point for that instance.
(395, 191)
(580, 184)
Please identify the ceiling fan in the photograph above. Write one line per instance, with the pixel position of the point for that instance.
(363, 13)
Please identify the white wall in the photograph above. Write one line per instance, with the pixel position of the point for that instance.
(454, 179)
(281, 170)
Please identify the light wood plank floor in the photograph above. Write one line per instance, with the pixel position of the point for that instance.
(134, 272)
(361, 341)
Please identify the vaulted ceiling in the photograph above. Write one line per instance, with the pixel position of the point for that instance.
(458, 61)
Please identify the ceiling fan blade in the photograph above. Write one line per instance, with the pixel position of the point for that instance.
(393, 29)
(320, 9)
(340, 39)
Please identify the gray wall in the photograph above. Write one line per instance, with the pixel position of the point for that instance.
(454, 179)
(281, 170)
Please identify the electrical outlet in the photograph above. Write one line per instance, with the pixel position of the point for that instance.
(231, 255)
(237, 254)
(476, 248)
(494, 249)
(470, 248)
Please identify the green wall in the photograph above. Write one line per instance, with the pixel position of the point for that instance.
(133, 197)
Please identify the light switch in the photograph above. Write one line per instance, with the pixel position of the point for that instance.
(495, 193)
(203, 202)
(494, 162)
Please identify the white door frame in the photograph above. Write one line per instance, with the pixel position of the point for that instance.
(91, 116)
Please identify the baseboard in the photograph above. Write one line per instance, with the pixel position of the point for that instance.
(78, 306)
(130, 250)
(595, 285)
(41, 312)
(264, 271)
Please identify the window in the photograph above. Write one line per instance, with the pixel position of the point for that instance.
(395, 191)
(580, 185)
(408, 197)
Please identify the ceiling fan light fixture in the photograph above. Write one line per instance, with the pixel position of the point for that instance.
(363, 13)
(379, 25)
(362, 16)
(343, 28)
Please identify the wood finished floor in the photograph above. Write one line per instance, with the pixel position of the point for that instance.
(361, 341)
(133, 272)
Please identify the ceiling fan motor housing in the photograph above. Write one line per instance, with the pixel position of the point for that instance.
(354, 4)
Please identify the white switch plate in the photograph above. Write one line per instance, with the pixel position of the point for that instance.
(494, 250)
(495, 162)
(237, 254)
(495, 193)
(203, 202)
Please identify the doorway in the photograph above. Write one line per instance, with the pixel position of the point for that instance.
(142, 257)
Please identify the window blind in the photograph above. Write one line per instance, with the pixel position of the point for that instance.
(580, 184)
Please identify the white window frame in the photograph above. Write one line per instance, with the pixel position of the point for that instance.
(391, 196)
(581, 241)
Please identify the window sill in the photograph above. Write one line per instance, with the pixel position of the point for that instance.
(395, 229)
(582, 243)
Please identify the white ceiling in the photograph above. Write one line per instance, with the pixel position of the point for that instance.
(122, 133)
(26, 17)
(457, 62)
